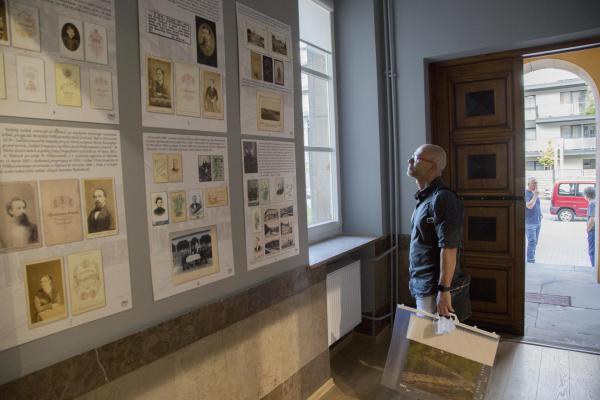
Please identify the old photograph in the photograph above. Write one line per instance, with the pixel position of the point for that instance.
(195, 254)
(67, 81)
(100, 207)
(286, 226)
(19, 217)
(159, 90)
(159, 208)
(187, 90)
(256, 66)
(250, 157)
(160, 168)
(86, 281)
(287, 241)
(101, 93)
(277, 188)
(4, 31)
(45, 292)
(278, 74)
(206, 42)
(2, 77)
(31, 79)
(216, 196)
(286, 211)
(256, 219)
(177, 206)
(175, 169)
(24, 26)
(271, 229)
(252, 192)
(264, 190)
(270, 112)
(271, 215)
(61, 211)
(280, 44)
(70, 43)
(256, 36)
(217, 167)
(271, 246)
(96, 43)
(288, 193)
(259, 247)
(212, 95)
(204, 168)
(267, 66)
(195, 204)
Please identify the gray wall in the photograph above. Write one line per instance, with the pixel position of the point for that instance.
(32, 356)
(360, 113)
(437, 30)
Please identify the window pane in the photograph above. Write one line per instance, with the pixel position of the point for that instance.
(589, 130)
(315, 59)
(315, 24)
(582, 187)
(530, 134)
(320, 192)
(315, 111)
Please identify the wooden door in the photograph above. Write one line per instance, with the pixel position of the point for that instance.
(477, 117)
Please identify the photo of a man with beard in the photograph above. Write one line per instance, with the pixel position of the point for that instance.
(100, 207)
(19, 218)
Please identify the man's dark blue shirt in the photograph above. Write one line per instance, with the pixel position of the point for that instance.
(437, 222)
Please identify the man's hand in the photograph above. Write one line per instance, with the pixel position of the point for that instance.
(444, 303)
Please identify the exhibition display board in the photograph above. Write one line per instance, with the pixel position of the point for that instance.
(58, 60)
(63, 239)
(182, 61)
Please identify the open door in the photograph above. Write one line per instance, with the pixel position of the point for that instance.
(477, 117)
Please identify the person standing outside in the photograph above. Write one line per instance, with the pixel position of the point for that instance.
(437, 280)
(533, 218)
(590, 195)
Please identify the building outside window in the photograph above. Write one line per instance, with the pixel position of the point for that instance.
(589, 163)
(319, 120)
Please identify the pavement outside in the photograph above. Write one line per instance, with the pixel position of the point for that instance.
(562, 268)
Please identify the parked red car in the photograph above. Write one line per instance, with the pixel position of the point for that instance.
(568, 201)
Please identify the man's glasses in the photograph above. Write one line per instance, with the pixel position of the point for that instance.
(418, 158)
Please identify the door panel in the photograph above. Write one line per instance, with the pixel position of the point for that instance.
(477, 117)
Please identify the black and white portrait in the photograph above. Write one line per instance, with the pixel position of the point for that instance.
(195, 253)
(19, 218)
(267, 69)
(204, 168)
(195, 204)
(159, 207)
(100, 206)
(250, 158)
(252, 192)
(278, 74)
(160, 84)
(206, 41)
(70, 36)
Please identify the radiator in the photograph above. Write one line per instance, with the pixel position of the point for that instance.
(343, 301)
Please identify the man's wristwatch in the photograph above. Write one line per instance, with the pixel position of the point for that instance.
(442, 288)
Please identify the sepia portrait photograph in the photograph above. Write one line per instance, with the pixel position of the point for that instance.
(195, 254)
(204, 168)
(31, 79)
(267, 66)
(160, 168)
(252, 192)
(270, 112)
(86, 281)
(250, 157)
(4, 31)
(259, 247)
(217, 168)
(101, 93)
(206, 42)
(216, 197)
(61, 211)
(256, 219)
(67, 82)
(159, 90)
(25, 26)
(96, 43)
(159, 209)
(277, 188)
(271, 246)
(264, 191)
(278, 76)
(212, 99)
(175, 169)
(19, 217)
(280, 44)
(100, 207)
(187, 90)
(195, 204)
(70, 41)
(256, 66)
(256, 36)
(45, 292)
(177, 206)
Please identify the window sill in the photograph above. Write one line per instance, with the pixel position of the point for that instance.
(323, 253)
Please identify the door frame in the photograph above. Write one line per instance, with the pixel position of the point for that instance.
(525, 52)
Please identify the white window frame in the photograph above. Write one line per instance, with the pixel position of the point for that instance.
(328, 229)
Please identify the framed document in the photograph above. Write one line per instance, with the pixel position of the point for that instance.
(31, 79)
(86, 281)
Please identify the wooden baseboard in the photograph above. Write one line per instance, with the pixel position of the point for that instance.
(320, 392)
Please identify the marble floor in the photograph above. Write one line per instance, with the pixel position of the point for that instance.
(521, 371)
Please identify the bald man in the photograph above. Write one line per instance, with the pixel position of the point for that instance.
(436, 278)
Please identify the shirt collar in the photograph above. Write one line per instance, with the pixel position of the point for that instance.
(424, 193)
